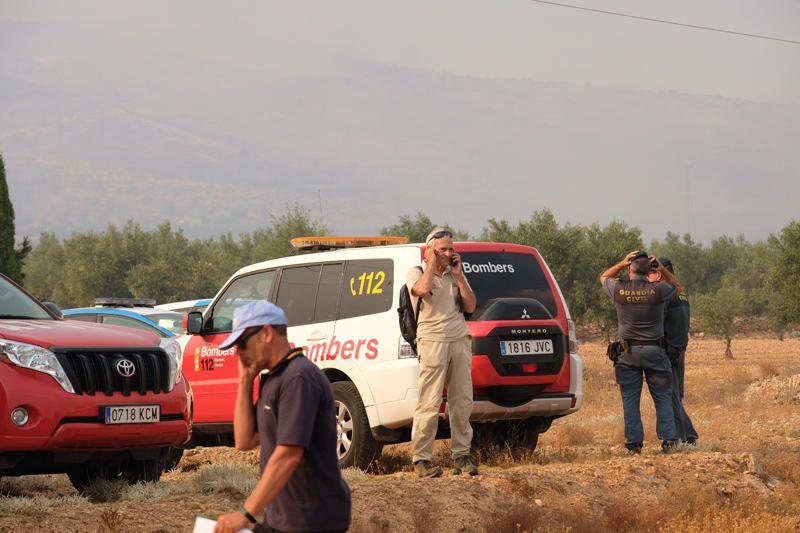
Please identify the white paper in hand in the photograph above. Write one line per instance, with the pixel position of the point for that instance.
(206, 525)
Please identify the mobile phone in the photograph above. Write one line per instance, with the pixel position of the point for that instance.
(453, 261)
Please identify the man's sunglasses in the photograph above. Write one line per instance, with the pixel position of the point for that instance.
(440, 234)
(241, 342)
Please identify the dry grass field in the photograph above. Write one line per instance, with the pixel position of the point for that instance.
(743, 476)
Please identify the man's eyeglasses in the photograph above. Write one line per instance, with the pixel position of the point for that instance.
(241, 342)
(440, 234)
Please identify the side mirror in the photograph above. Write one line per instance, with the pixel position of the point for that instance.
(194, 322)
(54, 308)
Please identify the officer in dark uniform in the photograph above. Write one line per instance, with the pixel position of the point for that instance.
(676, 337)
(640, 316)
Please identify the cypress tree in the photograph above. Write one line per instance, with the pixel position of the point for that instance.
(10, 257)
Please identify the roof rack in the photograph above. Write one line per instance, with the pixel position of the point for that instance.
(334, 243)
(124, 302)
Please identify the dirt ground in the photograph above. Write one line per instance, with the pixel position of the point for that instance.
(743, 475)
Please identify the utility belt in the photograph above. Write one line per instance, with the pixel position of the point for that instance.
(617, 348)
(631, 342)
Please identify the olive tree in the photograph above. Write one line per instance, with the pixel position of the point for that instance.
(417, 228)
(783, 280)
(719, 311)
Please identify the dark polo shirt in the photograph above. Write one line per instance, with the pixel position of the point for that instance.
(676, 322)
(640, 306)
(295, 407)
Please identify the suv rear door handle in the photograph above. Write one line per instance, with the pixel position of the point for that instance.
(317, 336)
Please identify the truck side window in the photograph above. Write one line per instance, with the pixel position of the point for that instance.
(242, 290)
(297, 293)
(328, 292)
(368, 287)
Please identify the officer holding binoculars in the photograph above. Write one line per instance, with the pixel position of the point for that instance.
(640, 316)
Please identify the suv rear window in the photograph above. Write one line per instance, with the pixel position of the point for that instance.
(507, 275)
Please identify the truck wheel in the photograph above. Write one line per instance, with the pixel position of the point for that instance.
(354, 443)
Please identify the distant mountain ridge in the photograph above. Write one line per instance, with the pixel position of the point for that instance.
(362, 146)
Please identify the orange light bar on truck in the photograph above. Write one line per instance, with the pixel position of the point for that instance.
(328, 243)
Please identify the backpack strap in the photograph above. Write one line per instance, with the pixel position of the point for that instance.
(419, 302)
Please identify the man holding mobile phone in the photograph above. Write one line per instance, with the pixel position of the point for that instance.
(445, 354)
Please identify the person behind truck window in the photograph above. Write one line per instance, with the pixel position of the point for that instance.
(640, 316)
(445, 354)
(676, 339)
(294, 421)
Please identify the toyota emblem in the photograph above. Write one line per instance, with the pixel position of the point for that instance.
(126, 368)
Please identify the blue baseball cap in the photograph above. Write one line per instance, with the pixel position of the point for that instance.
(258, 313)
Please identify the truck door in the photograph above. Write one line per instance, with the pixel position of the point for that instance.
(309, 294)
(213, 372)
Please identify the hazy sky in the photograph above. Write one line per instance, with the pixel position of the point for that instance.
(170, 61)
(510, 38)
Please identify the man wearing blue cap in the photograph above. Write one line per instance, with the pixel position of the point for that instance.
(294, 421)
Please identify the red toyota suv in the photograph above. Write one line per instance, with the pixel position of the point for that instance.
(89, 400)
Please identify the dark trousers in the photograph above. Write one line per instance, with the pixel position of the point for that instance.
(683, 424)
(639, 364)
(263, 528)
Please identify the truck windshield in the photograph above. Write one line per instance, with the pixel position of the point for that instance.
(14, 303)
(169, 320)
(495, 275)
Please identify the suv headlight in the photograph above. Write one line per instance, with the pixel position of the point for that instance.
(35, 358)
(175, 358)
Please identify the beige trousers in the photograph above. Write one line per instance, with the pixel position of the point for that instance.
(443, 364)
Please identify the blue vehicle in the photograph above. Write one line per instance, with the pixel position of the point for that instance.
(185, 306)
(130, 312)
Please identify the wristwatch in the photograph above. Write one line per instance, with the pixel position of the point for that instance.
(247, 515)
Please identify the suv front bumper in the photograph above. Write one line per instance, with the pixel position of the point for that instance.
(60, 421)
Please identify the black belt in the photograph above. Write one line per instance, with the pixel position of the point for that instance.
(633, 342)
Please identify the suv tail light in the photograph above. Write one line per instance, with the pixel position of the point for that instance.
(573, 337)
(404, 350)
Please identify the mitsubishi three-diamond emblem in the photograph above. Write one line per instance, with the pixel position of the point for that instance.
(525, 313)
(126, 368)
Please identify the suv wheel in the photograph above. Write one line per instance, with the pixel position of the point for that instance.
(354, 443)
(516, 434)
(173, 458)
(146, 471)
(82, 476)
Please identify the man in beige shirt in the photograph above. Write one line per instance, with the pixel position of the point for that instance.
(445, 354)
